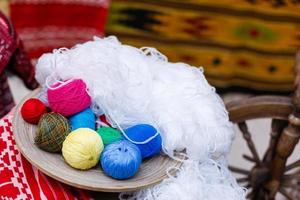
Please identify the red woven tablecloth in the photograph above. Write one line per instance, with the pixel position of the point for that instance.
(20, 180)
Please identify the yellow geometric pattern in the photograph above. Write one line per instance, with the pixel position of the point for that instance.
(262, 6)
(229, 72)
(238, 42)
(220, 28)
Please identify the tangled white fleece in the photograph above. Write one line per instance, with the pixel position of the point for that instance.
(133, 86)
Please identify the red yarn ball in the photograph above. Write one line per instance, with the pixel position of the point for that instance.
(32, 110)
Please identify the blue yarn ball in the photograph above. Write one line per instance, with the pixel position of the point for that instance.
(83, 119)
(121, 159)
(142, 132)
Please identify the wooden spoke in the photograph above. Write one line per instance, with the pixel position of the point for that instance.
(285, 193)
(239, 170)
(250, 195)
(292, 166)
(295, 176)
(249, 158)
(242, 180)
(291, 182)
(276, 128)
(247, 136)
(287, 183)
(266, 196)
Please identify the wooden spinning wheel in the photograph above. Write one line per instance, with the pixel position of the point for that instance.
(270, 174)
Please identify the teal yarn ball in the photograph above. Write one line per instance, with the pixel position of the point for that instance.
(146, 138)
(109, 135)
(121, 159)
(83, 119)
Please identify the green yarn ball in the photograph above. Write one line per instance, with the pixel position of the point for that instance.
(52, 130)
(109, 135)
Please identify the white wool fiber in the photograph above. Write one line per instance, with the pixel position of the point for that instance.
(133, 86)
(209, 180)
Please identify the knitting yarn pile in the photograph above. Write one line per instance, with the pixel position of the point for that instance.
(70, 129)
(132, 87)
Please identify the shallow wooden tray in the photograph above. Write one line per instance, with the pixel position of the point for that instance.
(152, 171)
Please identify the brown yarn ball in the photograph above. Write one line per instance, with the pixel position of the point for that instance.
(52, 130)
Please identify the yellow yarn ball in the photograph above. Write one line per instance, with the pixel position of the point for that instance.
(82, 148)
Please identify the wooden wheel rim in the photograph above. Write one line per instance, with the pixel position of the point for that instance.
(276, 107)
(280, 110)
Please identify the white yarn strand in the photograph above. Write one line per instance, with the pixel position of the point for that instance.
(133, 86)
(208, 180)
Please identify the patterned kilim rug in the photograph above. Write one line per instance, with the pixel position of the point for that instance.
(241, 43)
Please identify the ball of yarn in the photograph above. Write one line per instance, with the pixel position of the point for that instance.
(32, 110)
(68, 98)
(109, 135)
(52, 130)
(83, 119)
(146, 137)
(82, 148)
(121, 159)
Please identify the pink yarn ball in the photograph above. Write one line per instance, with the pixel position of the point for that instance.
(68, 98)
